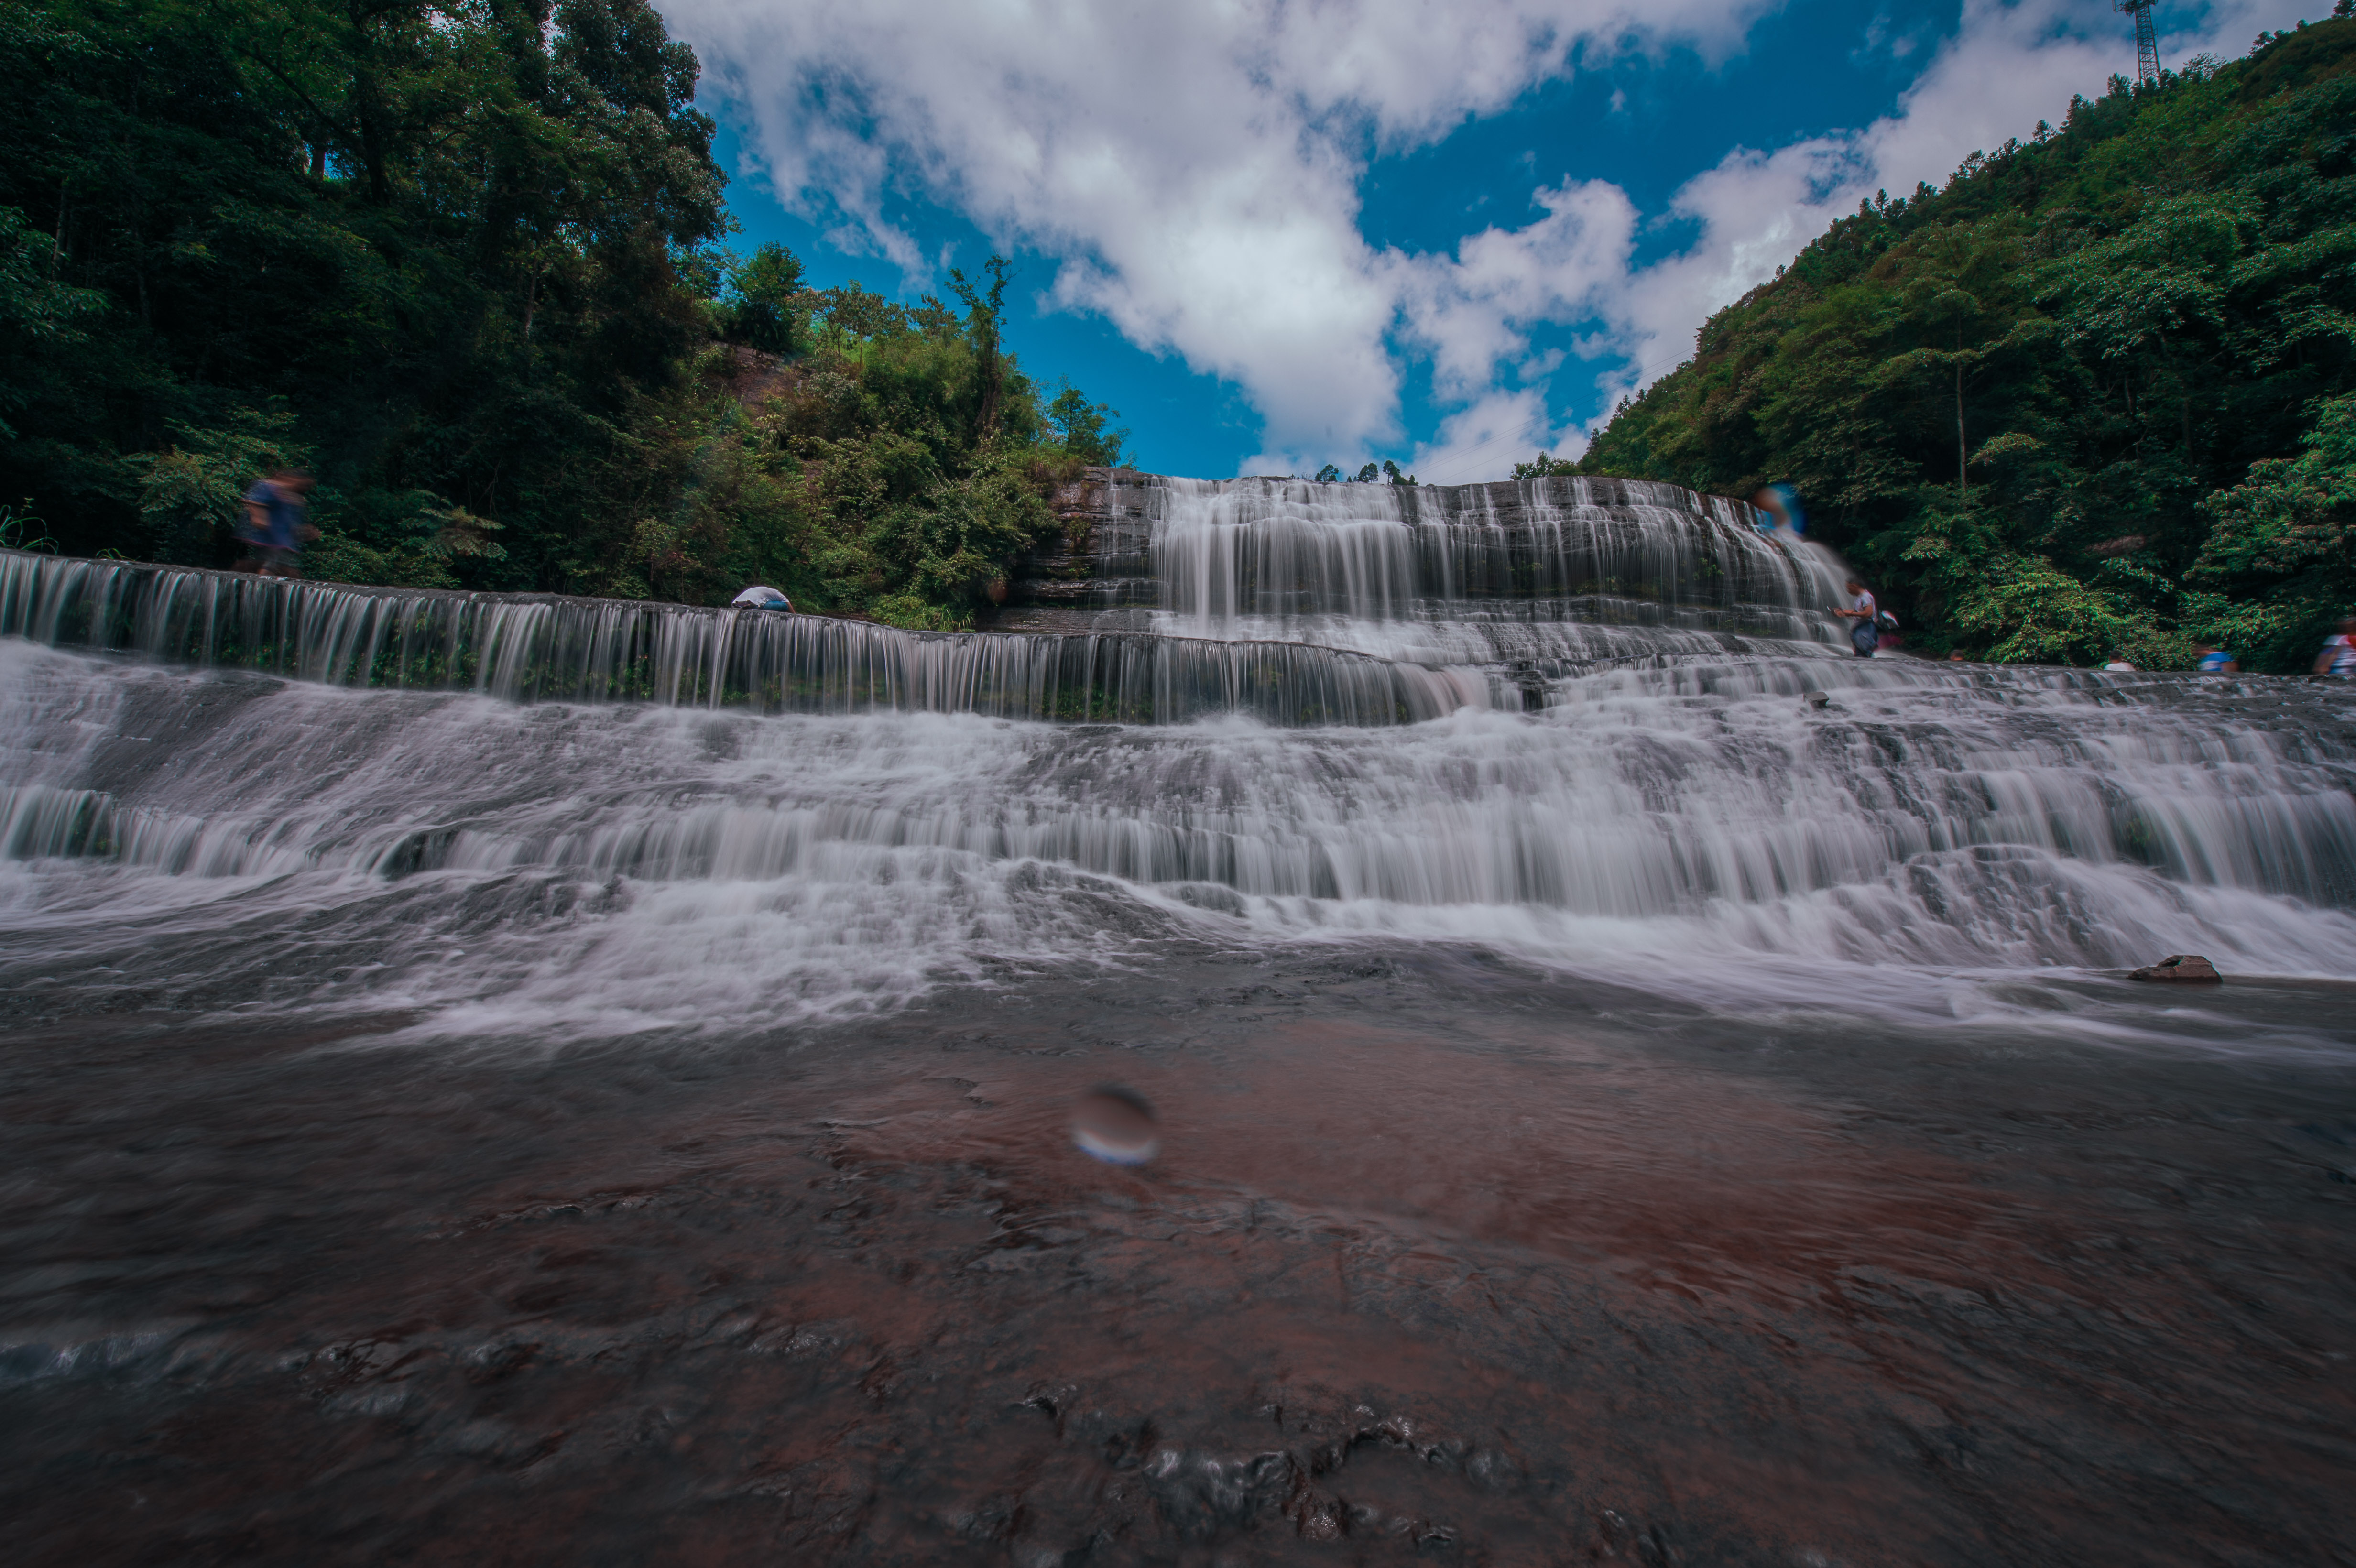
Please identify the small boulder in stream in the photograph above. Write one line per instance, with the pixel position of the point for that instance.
(2184, 967)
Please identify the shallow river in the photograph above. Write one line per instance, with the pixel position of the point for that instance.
(1679, 1105)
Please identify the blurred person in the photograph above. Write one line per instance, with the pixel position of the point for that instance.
(2119, 662)
(1864, 637)
(2217, 661)
(761, 597)
(1782, 504)
(2338, 655)
(275, 528)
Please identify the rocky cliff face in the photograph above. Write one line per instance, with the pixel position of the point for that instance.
(1100, 564)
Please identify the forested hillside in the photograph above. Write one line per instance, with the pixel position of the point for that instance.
(2097, 395)
(464, 258)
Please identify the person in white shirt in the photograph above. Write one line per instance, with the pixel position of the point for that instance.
(2118, 662)
(760, 598)
(1864, 637)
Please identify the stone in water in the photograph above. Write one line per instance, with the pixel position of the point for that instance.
(2182, 966)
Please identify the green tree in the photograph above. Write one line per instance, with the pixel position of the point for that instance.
(461, 257)
(1082, 427)
(2029, 403)
(445, 237)
(2278, 567)
(985, 309)
(764, 301)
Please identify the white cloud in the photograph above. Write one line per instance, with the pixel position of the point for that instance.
(1470, 310)
(1196, 167)
(1499, 429)
(1196, 163)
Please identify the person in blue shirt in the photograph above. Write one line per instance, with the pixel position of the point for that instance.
(2217, 661)
(274, 527)
(1780, 503)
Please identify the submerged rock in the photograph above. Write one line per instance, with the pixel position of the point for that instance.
(2182, 966)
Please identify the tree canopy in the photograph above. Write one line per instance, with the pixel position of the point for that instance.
(463, 258)
(2098, 395)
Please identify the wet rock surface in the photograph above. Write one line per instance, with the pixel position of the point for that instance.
(1441, 1260)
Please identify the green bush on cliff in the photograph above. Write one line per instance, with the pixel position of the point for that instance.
(2280, 560)
(2090, 398)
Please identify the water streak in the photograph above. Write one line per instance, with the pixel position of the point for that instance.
(1564, 570)
(549, 648)
(647, 863)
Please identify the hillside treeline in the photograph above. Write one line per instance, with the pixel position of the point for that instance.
(2096, 395)
(464, 261)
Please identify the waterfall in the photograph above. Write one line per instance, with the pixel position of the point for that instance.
(1298, 604)
(1552, 573)
(544, 647)
(1558, 718)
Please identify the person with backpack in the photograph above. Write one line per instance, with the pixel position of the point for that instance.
(1865, 636)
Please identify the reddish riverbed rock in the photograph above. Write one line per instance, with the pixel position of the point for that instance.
(2182, 966)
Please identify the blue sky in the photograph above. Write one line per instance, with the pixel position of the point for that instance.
(1278, 233)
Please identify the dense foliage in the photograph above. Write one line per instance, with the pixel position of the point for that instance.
(461, 257)
(2096, 395)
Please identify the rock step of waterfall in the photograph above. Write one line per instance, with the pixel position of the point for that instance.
(1297, 603)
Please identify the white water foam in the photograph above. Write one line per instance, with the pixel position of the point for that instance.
(229, 840)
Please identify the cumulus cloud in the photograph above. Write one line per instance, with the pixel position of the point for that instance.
(1195, 164)
(1195, 169)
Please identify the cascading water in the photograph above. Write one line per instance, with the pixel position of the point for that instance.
(542, 647)
(1558, 717)
(503, 1078)
(1563, 572)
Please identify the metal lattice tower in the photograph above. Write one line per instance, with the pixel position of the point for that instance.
(2146, 37)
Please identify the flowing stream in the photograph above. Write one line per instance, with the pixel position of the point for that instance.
(1582, 731)
(1403, 843)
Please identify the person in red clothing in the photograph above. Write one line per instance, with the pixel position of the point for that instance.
(2338, 655)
